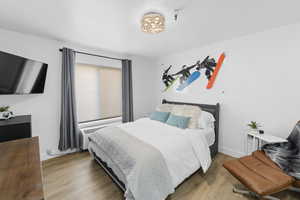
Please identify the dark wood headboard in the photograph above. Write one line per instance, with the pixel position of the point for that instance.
(215, 111)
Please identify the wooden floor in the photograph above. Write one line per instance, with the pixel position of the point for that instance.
(78, 177)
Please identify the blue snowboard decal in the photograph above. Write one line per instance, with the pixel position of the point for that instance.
(194, 76)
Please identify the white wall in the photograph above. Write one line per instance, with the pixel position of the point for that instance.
(45, 108)
(259, 81)
(144, 90)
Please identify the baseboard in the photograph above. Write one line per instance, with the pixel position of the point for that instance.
(52, 153)
(44, 156)
(231, 152)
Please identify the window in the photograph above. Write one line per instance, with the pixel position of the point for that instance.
(98, 92)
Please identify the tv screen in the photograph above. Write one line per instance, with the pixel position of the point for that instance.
(20, 75)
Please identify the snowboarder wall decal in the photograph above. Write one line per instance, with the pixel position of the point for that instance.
(186, 78)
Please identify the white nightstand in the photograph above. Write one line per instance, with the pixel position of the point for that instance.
(257, 140)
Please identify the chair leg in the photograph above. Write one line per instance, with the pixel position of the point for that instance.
(294, 189)
(238, 190)
(270, 198)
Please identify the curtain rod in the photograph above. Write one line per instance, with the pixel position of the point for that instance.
(90, 54)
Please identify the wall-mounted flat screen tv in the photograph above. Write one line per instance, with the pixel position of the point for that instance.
(20, 75)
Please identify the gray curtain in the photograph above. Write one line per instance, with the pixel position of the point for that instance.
(127, 99)
(69, 131)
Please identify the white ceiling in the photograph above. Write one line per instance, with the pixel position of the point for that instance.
(114, 24)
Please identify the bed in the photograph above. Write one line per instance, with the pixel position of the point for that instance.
(178, 174)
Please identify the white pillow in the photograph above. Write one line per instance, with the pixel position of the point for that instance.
(193, 112)
(206, 120)
(165, 107)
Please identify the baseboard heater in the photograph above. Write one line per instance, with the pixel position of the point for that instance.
(85, 132)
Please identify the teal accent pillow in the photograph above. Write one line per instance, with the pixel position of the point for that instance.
(178, 121)
(160, 116)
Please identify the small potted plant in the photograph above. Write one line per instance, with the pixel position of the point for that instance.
(254, 126)
(5, 113)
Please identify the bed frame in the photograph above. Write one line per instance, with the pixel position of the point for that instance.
(213, 109)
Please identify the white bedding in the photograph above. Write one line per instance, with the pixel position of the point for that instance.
(209, 135)
(184, 150)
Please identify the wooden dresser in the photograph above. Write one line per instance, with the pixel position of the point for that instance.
(20, 170)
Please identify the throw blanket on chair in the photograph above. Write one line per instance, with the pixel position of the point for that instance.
(147, 174)
(287, 155)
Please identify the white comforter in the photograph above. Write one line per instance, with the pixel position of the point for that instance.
(184, 150)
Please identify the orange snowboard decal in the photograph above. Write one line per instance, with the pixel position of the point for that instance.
(212, 79)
